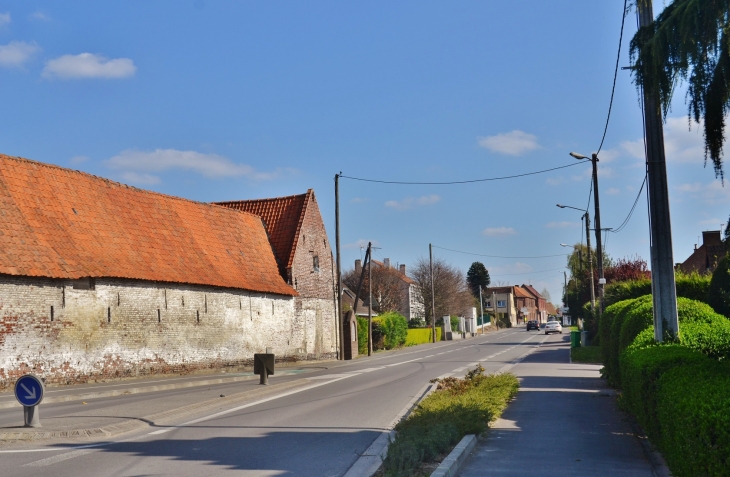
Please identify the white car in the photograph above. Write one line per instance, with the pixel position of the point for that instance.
(553, 327)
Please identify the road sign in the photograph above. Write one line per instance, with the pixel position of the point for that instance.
(29, 390)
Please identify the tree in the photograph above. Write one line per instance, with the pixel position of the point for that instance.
(477, 277)
(387, 287)
(452, 295)
(546, 295)
(690, 41)
(719, 296)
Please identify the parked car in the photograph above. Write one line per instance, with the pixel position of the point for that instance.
(553, 327)
(533, 325)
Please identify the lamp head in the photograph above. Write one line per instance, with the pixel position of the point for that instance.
(578, 156)
(564, 245)
(560, 205)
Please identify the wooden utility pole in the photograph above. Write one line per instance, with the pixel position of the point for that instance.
(481, 308)
(340, 320)
(599, 244)
(370, 301)
(433, 298)
(663, 287)
(587, 218)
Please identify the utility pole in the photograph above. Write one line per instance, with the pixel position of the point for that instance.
(663, 286)
(370, 303)
(433, 298)
(599, 242)
(481, 308)
(340, 321)
(590, 262)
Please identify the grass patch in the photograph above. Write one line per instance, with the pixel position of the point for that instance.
(458, 407)
(573, 328)
(586, 354)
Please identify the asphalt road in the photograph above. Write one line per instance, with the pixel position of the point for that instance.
(318, 431)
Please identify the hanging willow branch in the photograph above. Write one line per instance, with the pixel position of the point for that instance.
(689, 42)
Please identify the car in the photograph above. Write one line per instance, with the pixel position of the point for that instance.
(533, 325)
(553, 327)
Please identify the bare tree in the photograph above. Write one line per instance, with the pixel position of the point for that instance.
(387, 287)
(451, 292)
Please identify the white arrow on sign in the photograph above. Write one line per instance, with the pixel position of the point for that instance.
(31, 394)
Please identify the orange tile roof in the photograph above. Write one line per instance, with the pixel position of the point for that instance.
(62, 223)
(283, 217)
(522, 293)
(403, 277)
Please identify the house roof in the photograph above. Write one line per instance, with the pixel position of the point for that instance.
(62, 223)
(550, 308)
(532, 290)
(283, 218)
(402, 276)
(522, 293)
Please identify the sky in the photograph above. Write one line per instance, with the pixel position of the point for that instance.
(230, 100)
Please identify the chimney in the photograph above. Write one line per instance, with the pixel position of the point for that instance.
(403, 269)
(358, 266)
(386, 262)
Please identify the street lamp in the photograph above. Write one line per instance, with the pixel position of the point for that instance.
(599, 245)
(587, 219)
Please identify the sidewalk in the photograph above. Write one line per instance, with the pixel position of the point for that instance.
(563, 422)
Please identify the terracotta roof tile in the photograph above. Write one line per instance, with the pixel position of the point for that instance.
(61, 223)
(283, 217)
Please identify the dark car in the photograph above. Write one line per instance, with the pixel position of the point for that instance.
(533, 325)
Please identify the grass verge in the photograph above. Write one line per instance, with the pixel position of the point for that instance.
(586, 354)
(458, 407)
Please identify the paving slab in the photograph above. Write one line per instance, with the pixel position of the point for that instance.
(563, 422)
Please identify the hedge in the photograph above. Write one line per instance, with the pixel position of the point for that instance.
(604, 327)
(720, 287)
(681, 398)
(395, 329)
(417, 336)
(693, 286)
(630, 319)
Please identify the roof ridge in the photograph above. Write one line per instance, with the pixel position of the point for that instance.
(110, 181)
(266, 199)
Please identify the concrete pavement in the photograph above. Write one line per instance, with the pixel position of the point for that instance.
(563, 422)
(318, 430)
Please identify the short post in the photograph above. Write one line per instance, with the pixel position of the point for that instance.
(263, 365)
(29, 391)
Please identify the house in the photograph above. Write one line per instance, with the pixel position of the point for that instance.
(299, 240)
(348, 301)
(541, 312)
(551, 310)
(704, 259)
(410, 303)
(101, 280)
(512, 304)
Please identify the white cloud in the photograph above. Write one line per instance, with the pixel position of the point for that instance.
(562, 224)
(40, 16)
(78, 159)
(4, 19)
(362, 243)
(613, 191)
(88, 65)
(410, 202)
(711, 193)
(159, 160)
(499, 231)
(513, 143)
(16, 53)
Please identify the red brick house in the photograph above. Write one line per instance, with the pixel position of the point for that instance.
(525, 301)
(705, 257)
(541, 311)
(299, 240)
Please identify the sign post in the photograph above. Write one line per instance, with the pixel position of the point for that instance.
(29, 392)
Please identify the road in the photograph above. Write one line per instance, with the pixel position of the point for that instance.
(319, 430)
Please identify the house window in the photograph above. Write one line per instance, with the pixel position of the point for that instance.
(501, 303)
(84, 284)
(488, 304)
(315, 263)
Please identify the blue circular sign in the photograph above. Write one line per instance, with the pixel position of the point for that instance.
(29, 390)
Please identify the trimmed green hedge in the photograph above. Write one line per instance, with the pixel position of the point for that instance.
(417, 336)
(693, 286)
(395, 329)
(682, 400)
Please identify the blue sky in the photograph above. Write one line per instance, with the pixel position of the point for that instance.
(219, 100)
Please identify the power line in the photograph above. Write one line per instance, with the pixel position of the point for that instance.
(460, 182)
(496, 256)
(527, 273)
(628, 217)
(615, 73)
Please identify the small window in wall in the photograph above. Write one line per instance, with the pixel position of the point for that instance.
(159, 316)
(109, 314)
(315, 263)
(51, 313)
(488, 304)
(353, 331)
(501, 303)
(197, 314)
(87, 283)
